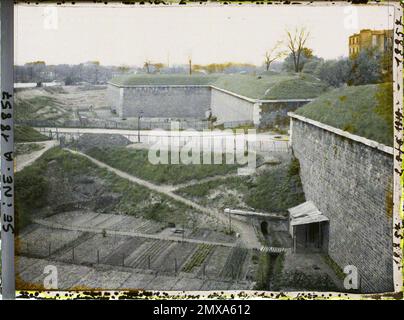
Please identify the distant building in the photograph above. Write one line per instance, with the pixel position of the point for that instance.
(366, 39)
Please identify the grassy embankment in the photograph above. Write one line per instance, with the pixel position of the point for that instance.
(34, 182)
(136, 162)
(275, 190)
(365, 110)
(27, 134)
(265, 86)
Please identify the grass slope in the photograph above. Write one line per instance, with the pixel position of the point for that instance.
(248, 85)
(296, 89)
(275, 190)
(27, 134)
(163, 79)
(59, 175)
(362, 110)
(136, 162)
(264, 86)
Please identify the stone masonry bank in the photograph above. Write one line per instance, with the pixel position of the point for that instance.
(350, 180)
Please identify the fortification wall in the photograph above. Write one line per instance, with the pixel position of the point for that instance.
(350, 180)
(164, 101)
(275, 113)
(229, 107)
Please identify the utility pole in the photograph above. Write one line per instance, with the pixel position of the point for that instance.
(7, 149)
(138, 125)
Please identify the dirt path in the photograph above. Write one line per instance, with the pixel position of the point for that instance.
(194, 182)
(25, 160)
(246, 230)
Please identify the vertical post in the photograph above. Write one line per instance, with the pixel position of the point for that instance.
(148, 262)
(229, 221)
(7, 148)
(138, 129)
(98, 256)
(175, 265)
(183, 233)
(50, 249)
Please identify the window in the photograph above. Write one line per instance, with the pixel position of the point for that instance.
(374, 40)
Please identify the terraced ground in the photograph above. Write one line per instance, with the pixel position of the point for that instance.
(99, 260)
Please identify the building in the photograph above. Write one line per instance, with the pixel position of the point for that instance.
(366, 39)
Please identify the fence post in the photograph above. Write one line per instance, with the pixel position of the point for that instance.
(123, 259)
(98, 256)
(50, 248)
(73, 253)
(175, 265)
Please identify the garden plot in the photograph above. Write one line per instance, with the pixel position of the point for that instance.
(107, 280)
(145, 258)
(175, 258)
(140, 225)
(216, 262)
(211, 235)
(187, 283)
(86, 252)
(209, 285)
(117, 257)
(138, 281)
(198, 258)
(68, 276)
(31, 273)
(162, 283)
(22, 263)
(111, 222)
(72, 218)
(97, 220)
(43, 241)
(233, 269)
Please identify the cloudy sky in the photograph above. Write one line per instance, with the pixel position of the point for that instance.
(117, 35)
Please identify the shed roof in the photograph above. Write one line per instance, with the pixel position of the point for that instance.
(305, 213)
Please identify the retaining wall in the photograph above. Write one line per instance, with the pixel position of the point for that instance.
(350, 180)
(160, 101)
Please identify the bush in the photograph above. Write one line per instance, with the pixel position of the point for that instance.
(334, 72)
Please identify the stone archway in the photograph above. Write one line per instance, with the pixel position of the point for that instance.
(264, 228)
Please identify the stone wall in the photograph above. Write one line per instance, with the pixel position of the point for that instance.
(232, 108)
(275, 113)
(350, 180)
(161, 101)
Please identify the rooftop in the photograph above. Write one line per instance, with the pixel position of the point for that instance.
(266, 87)
(366, 111)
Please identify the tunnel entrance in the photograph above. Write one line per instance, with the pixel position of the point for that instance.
(264, 228)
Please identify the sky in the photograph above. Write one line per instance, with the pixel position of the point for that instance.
(130, 35)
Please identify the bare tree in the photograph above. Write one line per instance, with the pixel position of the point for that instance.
(147, 66)
(190, 64)
(296, 44)
(273, 54)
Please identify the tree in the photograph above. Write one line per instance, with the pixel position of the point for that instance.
(158, 66)
(289, 62)
(123, 69)
(312, 65)
(147, 66)
(334, 72)
(273, 54)
(365, 68)
(190, 65)
(296, 45)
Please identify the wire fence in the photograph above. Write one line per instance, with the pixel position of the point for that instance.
(218, 143)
